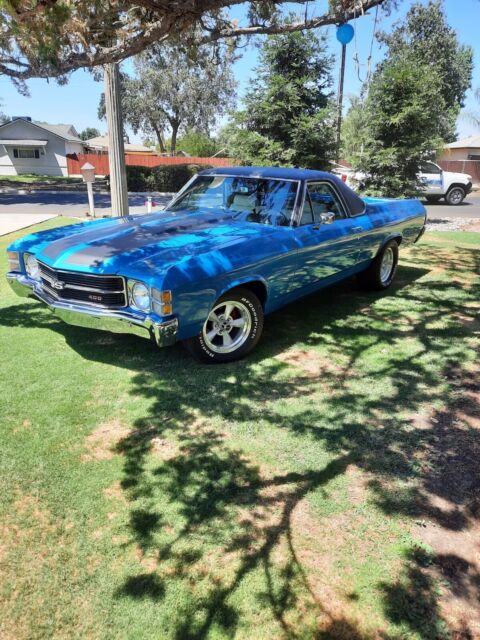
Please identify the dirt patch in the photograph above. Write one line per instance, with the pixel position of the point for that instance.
(101, 444)
(34, 546)
(115, 492)
(357, 484)
(164, 449)
(450, 489)
(310, 363)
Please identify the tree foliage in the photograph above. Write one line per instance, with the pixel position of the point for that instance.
(426, 39)
(198, 144)
(401, 128)
(88, 133)
(170, 93)
(411, 107)
(287, 117)
(51, 38)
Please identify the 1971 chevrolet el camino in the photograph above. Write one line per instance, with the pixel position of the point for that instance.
(234, 244)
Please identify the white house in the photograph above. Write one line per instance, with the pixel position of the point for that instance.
(30, 147)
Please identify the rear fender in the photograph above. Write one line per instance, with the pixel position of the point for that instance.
(392, 236)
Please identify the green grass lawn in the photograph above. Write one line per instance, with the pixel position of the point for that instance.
(31, 178)
(322, 488)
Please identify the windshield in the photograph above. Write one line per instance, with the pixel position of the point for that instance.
(260, 200)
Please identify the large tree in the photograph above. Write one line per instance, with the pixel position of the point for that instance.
(411, 107)
(426, 39)
(401, 128)
(47, 38)
(288, 114)
(171, 93)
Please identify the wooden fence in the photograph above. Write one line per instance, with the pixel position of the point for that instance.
(100, 161)
(472, 167)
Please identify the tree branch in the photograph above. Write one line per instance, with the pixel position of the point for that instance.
(79, 41)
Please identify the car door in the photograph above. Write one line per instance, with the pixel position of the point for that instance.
(431, 177)
(327, 238)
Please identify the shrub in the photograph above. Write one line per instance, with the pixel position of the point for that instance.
(165, 178)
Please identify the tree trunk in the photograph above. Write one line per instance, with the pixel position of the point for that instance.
(116, 151)
(161, 141)
(173, 144)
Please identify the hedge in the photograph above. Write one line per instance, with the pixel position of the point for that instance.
(162, 178)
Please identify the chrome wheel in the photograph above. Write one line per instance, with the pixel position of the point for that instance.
(227, 327)
(455, 196)
(387, 264)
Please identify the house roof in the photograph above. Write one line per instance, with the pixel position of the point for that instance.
(102, 143)
(22, 142)
(473, 142)
(65, 131)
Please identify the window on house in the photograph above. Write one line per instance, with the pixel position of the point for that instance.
(26, 153)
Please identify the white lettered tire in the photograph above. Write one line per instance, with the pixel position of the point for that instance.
(231, 330)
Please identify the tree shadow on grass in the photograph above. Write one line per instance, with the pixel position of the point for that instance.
(380, 366)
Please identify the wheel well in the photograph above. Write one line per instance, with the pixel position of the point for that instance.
(456, 184)
(257, 287)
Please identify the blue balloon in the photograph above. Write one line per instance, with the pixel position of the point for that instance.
(345, 33)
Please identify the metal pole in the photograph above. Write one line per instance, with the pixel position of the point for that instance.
(91, 206)
(116, 151)
(340, 101)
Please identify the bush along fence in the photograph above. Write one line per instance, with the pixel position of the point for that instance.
(100, 161)
(166, 178)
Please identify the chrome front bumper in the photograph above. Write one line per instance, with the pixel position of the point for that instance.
(115, 321)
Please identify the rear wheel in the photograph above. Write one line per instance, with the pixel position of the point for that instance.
(232, 328)
(381, 272)
(455, 195)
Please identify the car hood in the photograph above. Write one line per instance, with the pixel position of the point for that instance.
(453, 175)
(142, 243)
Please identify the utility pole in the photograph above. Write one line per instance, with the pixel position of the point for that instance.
(340, 102)
(116, 151)
(345, 35)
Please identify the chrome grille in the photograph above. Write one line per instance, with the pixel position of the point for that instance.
(100, 291)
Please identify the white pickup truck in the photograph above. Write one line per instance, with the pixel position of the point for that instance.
(444, 184)
(437, 182)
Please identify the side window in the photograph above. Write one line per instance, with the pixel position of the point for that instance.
(323, 199)
(429, 167)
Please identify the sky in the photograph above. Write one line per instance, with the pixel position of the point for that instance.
(76, 102)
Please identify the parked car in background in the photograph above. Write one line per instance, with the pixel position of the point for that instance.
(440, 184)
(437, 183)
(233, 245)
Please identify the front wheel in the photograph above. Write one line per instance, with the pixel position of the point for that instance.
(232, 329)
(455, 196)
(381, 272)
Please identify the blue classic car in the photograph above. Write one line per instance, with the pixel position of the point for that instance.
(233, 245)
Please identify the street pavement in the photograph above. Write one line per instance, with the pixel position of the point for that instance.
(470, 208)
(75, 204)
(70, 203)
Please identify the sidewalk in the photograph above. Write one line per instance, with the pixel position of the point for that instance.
(10, 222)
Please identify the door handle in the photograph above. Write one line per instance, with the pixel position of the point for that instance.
(356, 229)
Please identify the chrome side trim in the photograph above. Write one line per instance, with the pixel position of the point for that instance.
(164, 333)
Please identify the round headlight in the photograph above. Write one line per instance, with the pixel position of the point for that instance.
(31, 267)
(141, 296)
